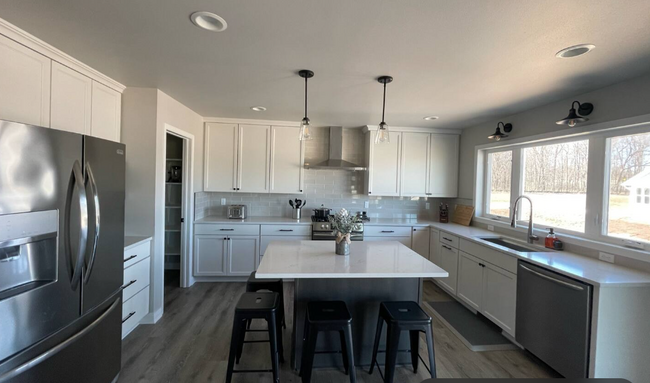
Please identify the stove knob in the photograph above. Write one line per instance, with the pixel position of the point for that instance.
(323, 226)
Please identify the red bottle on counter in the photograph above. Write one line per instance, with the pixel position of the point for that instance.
(550, 238)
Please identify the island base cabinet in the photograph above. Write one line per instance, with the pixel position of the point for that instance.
(242, 255)
(210, 253)
(500, 297)
(470, 280)
(449, 262)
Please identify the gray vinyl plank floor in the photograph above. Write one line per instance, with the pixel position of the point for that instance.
(191, 342)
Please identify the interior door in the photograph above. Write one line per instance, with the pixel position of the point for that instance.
(41, 188)
(104, 168)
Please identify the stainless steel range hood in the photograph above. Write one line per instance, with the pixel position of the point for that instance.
(336, 160)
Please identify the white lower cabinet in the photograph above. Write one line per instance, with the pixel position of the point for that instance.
(218, 255)
(449, 262)
(470, 280)
(500, 297)
(420, 241)
(242, 254)
(134, 310)
(135, 288)
(434, 247)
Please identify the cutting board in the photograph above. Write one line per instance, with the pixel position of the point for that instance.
(463, 215)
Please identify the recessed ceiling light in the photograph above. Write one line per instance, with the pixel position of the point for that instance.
(574, 51)
(209, 21)
(431, 118)
(258, 108)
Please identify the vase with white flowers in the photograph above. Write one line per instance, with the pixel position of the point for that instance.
(343, 224)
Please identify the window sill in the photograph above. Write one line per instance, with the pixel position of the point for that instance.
(639, 255)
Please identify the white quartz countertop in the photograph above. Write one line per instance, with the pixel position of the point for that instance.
(316, 259)
(131, 241)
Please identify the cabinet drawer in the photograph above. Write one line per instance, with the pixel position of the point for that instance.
(286, 230)
(134, 310)
(225, 229)
(448, 239)
(497, 258)
(137, 254)
(387, 231)
(136, 278)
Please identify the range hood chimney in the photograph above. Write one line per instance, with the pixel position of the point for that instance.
(335, 160)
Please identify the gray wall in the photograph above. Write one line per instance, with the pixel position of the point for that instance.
(626, 99)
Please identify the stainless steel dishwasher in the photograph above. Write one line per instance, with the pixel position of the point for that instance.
(554, 319)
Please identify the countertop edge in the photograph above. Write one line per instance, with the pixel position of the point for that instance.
(140, 240)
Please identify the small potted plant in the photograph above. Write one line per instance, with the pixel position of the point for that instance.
(343, 223)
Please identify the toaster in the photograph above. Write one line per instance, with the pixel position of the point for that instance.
(237, 211)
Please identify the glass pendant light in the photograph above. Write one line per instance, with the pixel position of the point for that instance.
(576, 117)
(305, 132)
(382, 134)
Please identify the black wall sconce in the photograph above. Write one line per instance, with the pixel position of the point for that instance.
(497, 135)
(576, 117)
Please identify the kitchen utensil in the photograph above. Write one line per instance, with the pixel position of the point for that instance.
(291, 203)
(298, 203)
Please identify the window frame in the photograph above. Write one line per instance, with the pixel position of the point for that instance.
(487, 185)
(598, 173)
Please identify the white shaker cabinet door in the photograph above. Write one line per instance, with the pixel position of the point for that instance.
(384, 166)
(287, 158)
(420, 241)
(443, 165)
(449, 263)
(106, 112)
(24, 84)
(434, 247)
(220, 157)
(470, 280)
(253, 158)
(500, 297)
(243, 255)
(210, 252)
(415, 164)
(71, 100)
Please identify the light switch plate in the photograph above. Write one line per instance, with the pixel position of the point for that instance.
(491, 227)
(606, 257)
(223, 201)
(427, 205)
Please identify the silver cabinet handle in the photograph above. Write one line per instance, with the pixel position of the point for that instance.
(226, 229)
(129, 284)
(53, 351)
(285, 230)
(388, 231)
(130, 258)
(93, 189)
(132, 313)
(567, 284)
(76, 180)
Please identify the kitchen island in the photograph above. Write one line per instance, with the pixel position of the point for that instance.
(372, 273)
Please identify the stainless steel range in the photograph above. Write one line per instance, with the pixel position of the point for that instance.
(321, 230)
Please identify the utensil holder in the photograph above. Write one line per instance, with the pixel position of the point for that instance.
(296, 213)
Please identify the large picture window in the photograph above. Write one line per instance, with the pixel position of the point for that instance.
(500, 183)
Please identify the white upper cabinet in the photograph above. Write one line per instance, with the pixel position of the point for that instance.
(221, 143)
(253, 158)
(24, 84)
(71, 100)
(415, 164)
(287, 158)
(443, 165)
(383, 177)
(106, 112)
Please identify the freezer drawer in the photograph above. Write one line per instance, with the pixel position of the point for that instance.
(554, 319)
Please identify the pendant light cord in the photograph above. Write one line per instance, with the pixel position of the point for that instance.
(305, 97)
(383, 110)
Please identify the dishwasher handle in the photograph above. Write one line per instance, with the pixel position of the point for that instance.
(567, 284)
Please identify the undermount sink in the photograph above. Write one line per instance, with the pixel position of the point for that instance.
(512, 245)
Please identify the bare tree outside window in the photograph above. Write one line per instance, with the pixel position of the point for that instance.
(500, 183)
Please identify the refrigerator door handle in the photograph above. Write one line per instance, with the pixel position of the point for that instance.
(76, 180)
(95, 197)
(51, 352)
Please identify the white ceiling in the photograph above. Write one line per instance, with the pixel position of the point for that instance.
(464, 60)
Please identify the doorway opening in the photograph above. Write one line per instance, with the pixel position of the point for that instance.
(174, 217)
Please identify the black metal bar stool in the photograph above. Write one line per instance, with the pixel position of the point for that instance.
(276, 285)
(403, 316)
(327, 316)
(254, 305)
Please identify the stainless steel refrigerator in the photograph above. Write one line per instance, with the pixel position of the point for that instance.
(61, 255)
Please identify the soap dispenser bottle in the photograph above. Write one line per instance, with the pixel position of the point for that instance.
(550, 238)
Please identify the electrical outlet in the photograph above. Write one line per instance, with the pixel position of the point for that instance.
(223, 201)
(366, 204)
(491, 227)
(427, 206)
(606, 257)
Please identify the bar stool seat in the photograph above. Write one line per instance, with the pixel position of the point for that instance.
(403, 316)
(253, 284)
(256, 305)
(327, 316)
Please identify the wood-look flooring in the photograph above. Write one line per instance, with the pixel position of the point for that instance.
(191, 342)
